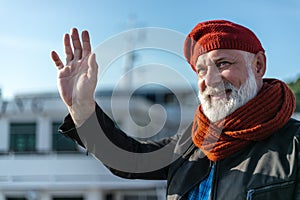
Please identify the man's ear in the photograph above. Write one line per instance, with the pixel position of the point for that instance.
(260, 64)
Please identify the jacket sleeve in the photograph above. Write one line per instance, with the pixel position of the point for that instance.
(297, 189)
(100, 136)
(297, 192)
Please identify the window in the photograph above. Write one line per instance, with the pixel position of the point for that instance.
(59, 142)
(109, 196)
(22, 137)
(143, 194)
(139, 197)
(16, 198)
(67, 198)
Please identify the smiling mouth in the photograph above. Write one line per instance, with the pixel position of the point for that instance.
(220, 95)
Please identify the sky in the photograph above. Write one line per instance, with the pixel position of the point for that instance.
(31, 29)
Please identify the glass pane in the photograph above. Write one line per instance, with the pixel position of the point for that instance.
(67, 198)
(151, 197)
(22, 137)
(139, 197)
(60, 142)
(131, 197)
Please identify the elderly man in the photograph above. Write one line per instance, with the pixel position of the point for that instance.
(244, 143)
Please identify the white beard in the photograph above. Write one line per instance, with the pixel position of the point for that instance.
(216, 110)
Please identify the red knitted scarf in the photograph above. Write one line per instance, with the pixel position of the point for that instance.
(255, 121)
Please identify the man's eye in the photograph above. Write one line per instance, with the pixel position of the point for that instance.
(223, 64)
(201, 71)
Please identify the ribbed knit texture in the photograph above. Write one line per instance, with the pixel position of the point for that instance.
(219, 34)
(257, 120)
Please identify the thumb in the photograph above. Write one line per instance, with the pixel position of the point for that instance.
(93, 66)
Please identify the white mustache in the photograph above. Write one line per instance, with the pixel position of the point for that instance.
(221, 88)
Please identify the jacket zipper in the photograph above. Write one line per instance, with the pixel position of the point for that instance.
(250, 194)
(253, 191)
(213, 192)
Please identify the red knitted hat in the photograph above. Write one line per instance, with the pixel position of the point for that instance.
(219, 34)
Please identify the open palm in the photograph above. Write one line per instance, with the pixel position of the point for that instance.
(77, 79)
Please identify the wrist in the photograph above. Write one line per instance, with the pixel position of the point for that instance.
(81, 112)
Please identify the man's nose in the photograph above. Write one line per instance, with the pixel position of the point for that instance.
(213, 77)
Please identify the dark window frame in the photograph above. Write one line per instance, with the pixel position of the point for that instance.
(22, 137)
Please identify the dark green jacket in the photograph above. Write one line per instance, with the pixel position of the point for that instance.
(264, 170)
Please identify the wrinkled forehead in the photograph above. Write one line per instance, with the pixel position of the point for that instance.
(214, 56)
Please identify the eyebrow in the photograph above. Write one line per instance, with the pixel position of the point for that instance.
(218, 59)
(215, 60)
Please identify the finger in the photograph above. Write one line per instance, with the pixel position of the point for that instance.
(76, 44)
(86, 43)
(56, 60)
(68, 48)
(93, 67)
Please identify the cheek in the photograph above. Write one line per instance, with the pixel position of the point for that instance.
(236, 78)
(201, 85)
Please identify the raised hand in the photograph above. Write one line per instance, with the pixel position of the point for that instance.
(77, 79)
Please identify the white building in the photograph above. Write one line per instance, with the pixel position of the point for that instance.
(37, 163)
